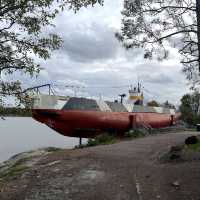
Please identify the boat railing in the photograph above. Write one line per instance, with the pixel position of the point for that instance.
(37, 89)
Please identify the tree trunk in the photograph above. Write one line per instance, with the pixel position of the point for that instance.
(198, 29)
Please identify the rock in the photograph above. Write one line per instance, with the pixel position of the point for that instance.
(176, 184)
(70, 175)
(54, 163)
(175, 156)
(56, 170)
(191, 140)
(175, 152)
(177, 148)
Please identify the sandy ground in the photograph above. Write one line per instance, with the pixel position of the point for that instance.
(129, 170)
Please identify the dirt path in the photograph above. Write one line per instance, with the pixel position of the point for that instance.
(128, 170)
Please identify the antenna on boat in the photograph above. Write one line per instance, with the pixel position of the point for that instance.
(136, 94)
(122, 96)
(37, 89)
(74, 88)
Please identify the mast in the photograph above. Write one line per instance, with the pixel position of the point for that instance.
(136, 94)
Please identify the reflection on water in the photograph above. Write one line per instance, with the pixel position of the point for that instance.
(19, 134)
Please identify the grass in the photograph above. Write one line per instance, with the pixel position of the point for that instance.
(194, 147)
(103, 139)
(134, 134)
(52, 149)
(13, 170)
(106, 138)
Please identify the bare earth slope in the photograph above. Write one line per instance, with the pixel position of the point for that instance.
(122, 171)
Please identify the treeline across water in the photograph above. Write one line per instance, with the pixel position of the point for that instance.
(14, 111)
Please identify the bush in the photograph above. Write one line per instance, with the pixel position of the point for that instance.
(134, 134)
(192, 140)
(101, 139)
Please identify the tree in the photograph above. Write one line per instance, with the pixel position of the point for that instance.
(157, 24)
(167, 104)
(22, 37)
(190, 108)
(153, 103)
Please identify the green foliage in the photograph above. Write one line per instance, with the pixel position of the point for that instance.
(194, 147)
(13, 170)
(155, 25)
(52, 149)
(14, 111)
(23, 37)
(77, 4)
(190, 107)
(101, 140)
(169, 105)
(134, 134)
(153, 103)
(105, 139)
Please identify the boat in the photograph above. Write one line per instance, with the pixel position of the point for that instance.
(87, 118)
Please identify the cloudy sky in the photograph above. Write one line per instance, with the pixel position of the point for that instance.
(92, 57)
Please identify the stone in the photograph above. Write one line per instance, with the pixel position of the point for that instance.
(176, 184)
(175, 156)
(191, 140)
(177, 148)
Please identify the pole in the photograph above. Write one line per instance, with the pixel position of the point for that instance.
(121, 101)
(198, 29)
(80, 141)
(132, 121)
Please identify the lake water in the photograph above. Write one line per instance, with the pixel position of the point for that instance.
(19, 134)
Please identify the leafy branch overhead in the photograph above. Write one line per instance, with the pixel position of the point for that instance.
(156, 25)
(23, 37)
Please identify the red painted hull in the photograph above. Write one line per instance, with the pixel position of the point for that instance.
(88, 124)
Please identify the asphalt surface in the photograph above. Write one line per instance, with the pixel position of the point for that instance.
(128, 170)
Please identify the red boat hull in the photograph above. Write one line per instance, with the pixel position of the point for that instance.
(88, 124)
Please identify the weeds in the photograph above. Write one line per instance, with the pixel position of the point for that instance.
(52, 149)
(13, 170)
(103, 139)
(106, 139)
(134, 134)
(194, 147)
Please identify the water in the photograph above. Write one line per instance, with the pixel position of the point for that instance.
(19, 134)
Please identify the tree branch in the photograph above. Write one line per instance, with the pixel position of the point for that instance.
(159, 10)
(176, 33)
(189, 61)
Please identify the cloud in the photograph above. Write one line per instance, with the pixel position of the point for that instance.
(89, 45)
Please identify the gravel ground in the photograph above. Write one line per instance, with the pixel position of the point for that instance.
(122, 171)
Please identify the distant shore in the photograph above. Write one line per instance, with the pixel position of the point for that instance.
(14, 112)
